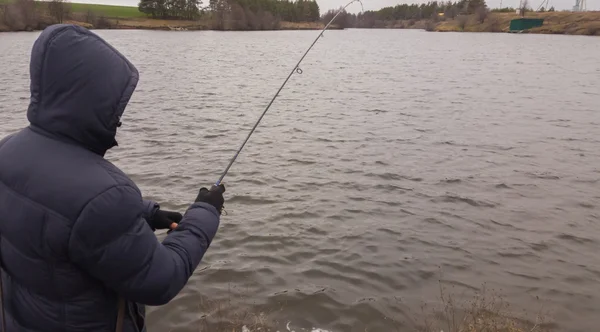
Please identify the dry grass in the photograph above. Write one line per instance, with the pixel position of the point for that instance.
(117, 17)
(233, 314)
(572, 23)
(148, 23)
(220, 318)
(487, 311)
(430, 26)
(303, 26)
(158, 24)
(408, 24)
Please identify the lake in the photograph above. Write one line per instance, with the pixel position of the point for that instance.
(398, 161)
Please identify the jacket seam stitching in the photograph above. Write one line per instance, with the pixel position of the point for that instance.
(133, 77)
(43, 58)
(92, 199)
(113, 177)
(205, 206)
(37, 204)
(96, 196)
(5, 141)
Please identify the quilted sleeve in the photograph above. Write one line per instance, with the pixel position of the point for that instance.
(112, 241)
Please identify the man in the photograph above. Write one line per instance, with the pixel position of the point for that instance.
(77, 247)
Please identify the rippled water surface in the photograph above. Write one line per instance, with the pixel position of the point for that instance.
(397, 159)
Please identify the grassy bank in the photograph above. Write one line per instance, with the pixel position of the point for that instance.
(203, 24)
(19, 15)
(122, 17)
(569, 23)
(159, 24)
(24, 15)
(107, 10)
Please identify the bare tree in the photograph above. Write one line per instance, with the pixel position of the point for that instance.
(462, 21)
(341, 21)
(481, 13)
(494, 24)
(238, 17)
(451, 12)
(59, 9)
(21, 15)
(267, 20)
(430, 25)
(221, 12)
(103, 23)
(523, 8)
(253, 20)
(593, 30)
(3, 9)
(90, 17)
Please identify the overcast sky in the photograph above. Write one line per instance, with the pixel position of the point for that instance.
(376, 4)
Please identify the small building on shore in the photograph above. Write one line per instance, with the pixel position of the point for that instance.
(520, 24)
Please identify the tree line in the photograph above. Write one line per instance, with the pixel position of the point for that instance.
(296, 11)
(19, 15)
(29, 15)
(249, 14)
(171, 9)
(261, 14)
(241, 13)
(430, 10)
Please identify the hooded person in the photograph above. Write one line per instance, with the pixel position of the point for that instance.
(77, 245)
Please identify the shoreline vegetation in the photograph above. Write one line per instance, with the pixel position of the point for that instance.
(246, 15)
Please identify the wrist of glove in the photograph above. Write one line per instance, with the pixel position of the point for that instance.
(214, 197)
(165, 220)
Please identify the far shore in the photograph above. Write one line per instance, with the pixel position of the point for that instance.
(566, 23)
(35, 15)
(184, 25)
(169, 25)
(563, 23)
(120, 17)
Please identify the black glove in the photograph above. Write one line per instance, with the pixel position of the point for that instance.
(214, 196)
(165, 220)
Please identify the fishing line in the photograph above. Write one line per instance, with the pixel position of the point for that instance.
(297, 70)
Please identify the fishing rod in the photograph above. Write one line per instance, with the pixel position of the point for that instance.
(296, 69)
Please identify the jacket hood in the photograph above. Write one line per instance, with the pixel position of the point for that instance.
(80, 86)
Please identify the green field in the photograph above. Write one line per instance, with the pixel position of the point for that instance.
(104, 10)
(107, 10)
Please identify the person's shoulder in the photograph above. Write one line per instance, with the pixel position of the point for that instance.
(107, 188)
(114, 192)
(128, 192)
(5, 139)
(117, 176)
(110, 214)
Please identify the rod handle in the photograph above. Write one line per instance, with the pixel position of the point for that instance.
(218, 188)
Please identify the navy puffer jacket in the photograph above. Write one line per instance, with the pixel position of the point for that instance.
(74, 235)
